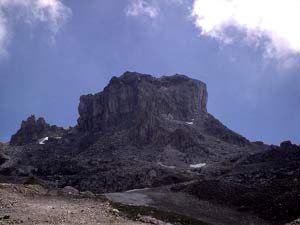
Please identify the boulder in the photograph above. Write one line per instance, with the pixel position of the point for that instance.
(68, 190)
(295, 222)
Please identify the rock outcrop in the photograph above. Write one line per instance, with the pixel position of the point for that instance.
(32, 130)
(152, 110)
(132, 97)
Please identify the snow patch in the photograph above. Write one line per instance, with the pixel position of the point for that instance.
(190, 122)
(169, 167)
(199, 165)
(42, 141)
(134, 190)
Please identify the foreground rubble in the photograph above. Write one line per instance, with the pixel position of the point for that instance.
(35, 205)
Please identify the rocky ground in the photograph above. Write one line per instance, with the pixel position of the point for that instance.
(163, 198)
(266, 184)
(296, 222)
(35, 205)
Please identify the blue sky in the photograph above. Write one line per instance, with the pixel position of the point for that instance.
(51, 55)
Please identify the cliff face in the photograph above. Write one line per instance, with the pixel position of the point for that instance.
(130, 98)
(153, 110)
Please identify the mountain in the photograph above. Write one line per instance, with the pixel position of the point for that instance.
(142, 131)
(139, 131)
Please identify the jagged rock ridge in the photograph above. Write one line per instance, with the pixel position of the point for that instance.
(34, 129)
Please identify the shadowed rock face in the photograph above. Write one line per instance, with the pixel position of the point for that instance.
(34, 129)
(130, 98)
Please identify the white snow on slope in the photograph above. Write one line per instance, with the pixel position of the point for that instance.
(169, 167)
(134, 190)
(42, 141)
(190, 123)
(199, 165)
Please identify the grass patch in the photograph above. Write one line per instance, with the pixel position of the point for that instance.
(133, 212)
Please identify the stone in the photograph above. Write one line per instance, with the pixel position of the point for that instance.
(295, 222)
(87, 194)
(3, 158)
(6, 217)
(70, 190)
(151, 220)
(287, 145)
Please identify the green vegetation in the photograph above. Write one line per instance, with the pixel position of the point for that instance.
(133, 213)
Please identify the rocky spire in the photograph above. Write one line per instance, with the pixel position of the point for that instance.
(34, 129)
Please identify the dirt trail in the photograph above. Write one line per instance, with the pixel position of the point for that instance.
(31, 205)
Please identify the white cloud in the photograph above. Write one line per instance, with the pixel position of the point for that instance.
(51, 12)
(3, 35)
(180, 2)
(142, 7)
(275, 22)
(150, 8)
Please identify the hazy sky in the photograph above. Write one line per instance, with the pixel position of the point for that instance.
(247, 52)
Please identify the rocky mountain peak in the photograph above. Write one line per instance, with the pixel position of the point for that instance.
(142, 131)
(33, 129)
(132, 96)
(136, 131)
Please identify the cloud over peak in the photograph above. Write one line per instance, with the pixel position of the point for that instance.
(149, 8)
(52, 12)
(275, 22)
